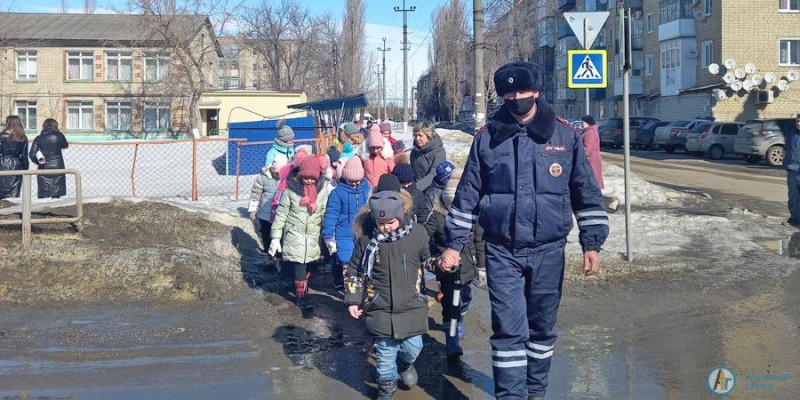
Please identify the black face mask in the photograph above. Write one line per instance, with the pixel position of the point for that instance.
(520, 107)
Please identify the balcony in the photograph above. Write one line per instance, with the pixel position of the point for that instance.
(565, 5)
(563, 30)
(636, 86)
(679, 28)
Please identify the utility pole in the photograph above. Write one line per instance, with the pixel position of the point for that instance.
(383, 51)
(378, 72)
(480, 99)
(405, 12)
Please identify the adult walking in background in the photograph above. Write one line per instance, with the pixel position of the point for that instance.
(525, 176)
(13, 156)
(591, 143)
(46, 153)
(428, 152)
(791, 163)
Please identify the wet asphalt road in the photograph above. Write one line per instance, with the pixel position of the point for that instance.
(644, 337)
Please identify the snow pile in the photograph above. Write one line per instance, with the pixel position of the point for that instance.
(643, 193)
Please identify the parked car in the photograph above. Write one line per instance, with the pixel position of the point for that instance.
(607, 130)
(636, 123)
(672, 136)
(698, 129)
(716, 139)
(642, 137)
(763, 138)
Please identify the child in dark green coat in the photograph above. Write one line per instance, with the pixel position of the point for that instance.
(384, 280)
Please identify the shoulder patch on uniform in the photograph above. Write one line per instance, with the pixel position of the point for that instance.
(555, 148)
(482, 130)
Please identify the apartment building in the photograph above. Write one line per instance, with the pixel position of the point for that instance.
(679, 39)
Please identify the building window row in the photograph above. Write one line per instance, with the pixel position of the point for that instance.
(118, 116)
(80, 66)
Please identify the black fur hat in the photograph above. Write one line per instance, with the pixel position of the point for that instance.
(516, 77)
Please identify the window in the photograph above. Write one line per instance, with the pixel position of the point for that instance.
(789, 52)
(670, 61)
(156, 116)
(613, 70)
(637, 60)
(26, 110)
(707, 54)
(27, 65)
(156, 68)
(118, 115)
(789, 5)
(707, 6)
(79, 65)
(648, 65)
(79, 115)
(118, 66)
(649, 23)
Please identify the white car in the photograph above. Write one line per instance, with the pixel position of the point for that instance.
(672, 136)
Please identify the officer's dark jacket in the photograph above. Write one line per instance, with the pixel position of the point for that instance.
(525, 182)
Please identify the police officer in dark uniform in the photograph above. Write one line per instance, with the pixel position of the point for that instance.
(525, 176)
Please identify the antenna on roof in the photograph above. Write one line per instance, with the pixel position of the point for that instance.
(64, 6)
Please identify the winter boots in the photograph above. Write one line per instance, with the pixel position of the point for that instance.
(301, 291)
(408, 374)
(386, 390)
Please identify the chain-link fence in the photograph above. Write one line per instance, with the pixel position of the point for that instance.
(191, 168)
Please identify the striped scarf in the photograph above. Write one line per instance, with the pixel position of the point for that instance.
(369, 255)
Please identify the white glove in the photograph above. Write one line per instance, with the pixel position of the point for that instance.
(331, 246)
(274, 247)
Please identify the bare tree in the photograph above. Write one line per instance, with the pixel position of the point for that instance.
(451, 44)
(352, 43)
(510, 20)
(186, 30)
(287, 37)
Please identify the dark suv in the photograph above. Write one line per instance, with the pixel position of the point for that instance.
(611, 132)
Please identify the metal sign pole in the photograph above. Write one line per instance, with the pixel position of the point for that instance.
(627, 128)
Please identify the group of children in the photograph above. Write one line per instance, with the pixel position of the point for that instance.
(381, 231)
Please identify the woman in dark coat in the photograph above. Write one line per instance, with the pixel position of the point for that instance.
(13, 156)
(49, 144)
(428, 152)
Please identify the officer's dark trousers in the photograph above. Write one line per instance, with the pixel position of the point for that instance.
(525, 291)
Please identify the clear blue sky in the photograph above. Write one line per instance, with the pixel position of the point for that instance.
(382, 21)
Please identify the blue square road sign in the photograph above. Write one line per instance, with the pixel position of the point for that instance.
(586, 69)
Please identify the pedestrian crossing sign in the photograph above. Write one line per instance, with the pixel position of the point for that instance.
(586, 69)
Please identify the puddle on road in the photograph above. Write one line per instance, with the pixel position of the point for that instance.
(257, 387)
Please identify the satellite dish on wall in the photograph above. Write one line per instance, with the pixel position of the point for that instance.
(739, 73)
(791, 75)
(736, 86)
(747, 85)
(750, 68)
(782, 85)
(728, 77)
(730, 63)
(719, 94)
(757, 79)
(713, 68)
(769, 77)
